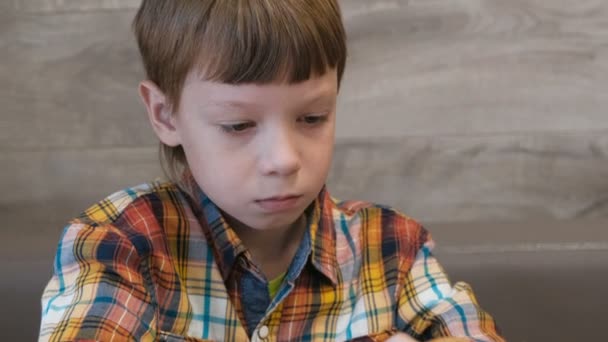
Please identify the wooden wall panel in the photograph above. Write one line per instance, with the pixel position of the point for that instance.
(70, 81)
(486, 110)
(466, 67)
(502, 178)
(440, 179)
(54, 6)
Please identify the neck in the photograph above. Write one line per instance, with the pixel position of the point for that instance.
(272, 249)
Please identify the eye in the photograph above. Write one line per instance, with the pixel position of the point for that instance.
(237, 127)
(313, 119)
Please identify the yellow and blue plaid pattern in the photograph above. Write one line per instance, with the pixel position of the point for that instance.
(154, 262)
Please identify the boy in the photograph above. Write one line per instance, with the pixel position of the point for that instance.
(245, 241)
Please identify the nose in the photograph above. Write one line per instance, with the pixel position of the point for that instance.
(280, 153)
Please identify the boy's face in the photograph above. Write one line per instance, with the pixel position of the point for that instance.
(260, 152)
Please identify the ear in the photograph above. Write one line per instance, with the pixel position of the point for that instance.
(159, 113)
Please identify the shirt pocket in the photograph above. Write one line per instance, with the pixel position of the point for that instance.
(164, 336)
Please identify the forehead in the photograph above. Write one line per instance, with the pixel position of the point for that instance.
(317, 88)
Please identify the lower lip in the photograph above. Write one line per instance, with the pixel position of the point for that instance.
(279, 205)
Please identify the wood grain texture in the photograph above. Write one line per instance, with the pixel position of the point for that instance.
(71, 82)
(440, 95)
(53, 6)
(417, 68)
(74, 175)
(460, 67)
(441, 179)
(470, 178)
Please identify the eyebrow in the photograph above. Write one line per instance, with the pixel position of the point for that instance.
(320, 97)
(233, 104)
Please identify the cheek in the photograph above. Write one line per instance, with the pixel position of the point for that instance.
(219, 165)
(203, 158)
(320, 152)
(218, 175)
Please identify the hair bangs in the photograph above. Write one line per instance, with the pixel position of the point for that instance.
(267, 41)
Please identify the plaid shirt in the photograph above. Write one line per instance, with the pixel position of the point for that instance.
(154, 262)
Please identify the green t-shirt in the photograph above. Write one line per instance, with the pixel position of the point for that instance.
(274, 284)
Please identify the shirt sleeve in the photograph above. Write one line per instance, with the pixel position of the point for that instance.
(430, 307)
(97, 291)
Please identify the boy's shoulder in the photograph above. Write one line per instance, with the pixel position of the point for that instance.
(382, 219)
(132, 219)
(110, 209)
(376, 233)
(370, 210)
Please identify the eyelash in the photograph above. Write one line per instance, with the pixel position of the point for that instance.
(236, 128)
(317, 119)
(241, 127)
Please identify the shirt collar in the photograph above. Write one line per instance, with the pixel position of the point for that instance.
(228, 248)
(323, 236)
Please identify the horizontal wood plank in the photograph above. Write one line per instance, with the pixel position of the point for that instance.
(503, 178)
(460, 67)
(426, 68)
(53, 6)
(441, 179)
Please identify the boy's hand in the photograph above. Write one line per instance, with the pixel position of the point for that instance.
(401, 337)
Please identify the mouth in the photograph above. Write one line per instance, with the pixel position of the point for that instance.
(279, 203)
(279, 198)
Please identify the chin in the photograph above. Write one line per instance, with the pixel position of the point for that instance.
(276, 222)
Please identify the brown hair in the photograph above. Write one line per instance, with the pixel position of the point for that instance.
(235, 42)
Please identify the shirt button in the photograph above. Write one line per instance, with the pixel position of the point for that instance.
(263, 332)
